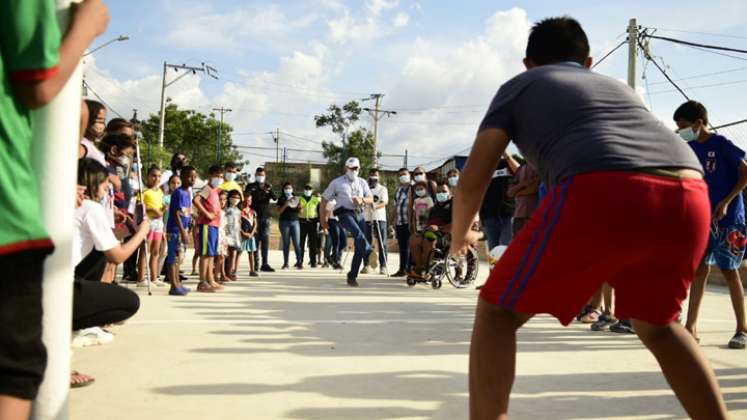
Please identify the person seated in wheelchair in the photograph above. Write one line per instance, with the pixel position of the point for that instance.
(434, 233)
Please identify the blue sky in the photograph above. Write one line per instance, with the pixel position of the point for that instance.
(437, 62)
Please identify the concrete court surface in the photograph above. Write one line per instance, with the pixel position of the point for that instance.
(303, 345)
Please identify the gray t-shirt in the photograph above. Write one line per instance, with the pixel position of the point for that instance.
(568, 120)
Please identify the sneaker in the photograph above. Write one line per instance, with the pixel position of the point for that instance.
(352, 282)
(299, 266)
(179, 291)
(622, 327)
(365, 270)
(93, 336)
(158, 283)
(337, 266)
(142, 284)
(185, 288)
(739, 341)
(267, 269)
(253, 274)
(603, 323)
(312, 265)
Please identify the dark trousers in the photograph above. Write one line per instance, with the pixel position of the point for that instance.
(403, 241)
(263, 242)
(310, 230)
(97, 304)
(91, 267)
(338, 240)
(130, 268)
(356, 226)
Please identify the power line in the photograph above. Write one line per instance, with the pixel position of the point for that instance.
(698, 33)
(648, 56)
(734, 82)
(695, 44)
(717, 53)
(610, 53)
(700, 76)
(88, 86)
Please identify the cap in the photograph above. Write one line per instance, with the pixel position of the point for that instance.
(352, 162)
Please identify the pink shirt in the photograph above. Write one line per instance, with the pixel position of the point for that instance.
(211, 202)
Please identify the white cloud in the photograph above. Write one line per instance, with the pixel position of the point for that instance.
(401, 19)
(377, 6)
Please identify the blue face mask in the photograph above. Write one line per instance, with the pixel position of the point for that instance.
(289, 193)
(442, 197)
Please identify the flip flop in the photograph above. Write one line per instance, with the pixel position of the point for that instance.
(81, 381)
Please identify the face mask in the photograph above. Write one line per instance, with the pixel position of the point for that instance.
(123, 160)
(104, 200)
(288, 193)
(420, 192)
(307, 193)
(216, 182)
(352, 175)
(260, 179)
(234, 202)
(442, 197)
(404, 179)
(230, 176)
(688, 134)
(453, 181)
(135, 167)
(373, 181)
(419, 178)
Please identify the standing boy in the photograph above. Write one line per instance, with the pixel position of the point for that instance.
(726, 176)
(207, 203)
(35, 64)
(605, 157)
(180, 220)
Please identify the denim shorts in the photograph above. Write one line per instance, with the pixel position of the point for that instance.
(726, 247)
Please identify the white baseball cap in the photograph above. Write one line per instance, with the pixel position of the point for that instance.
(352, 162)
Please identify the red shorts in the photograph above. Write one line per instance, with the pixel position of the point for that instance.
(643, 234)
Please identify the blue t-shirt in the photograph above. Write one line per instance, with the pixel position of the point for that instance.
(720, 159)
(181, 199)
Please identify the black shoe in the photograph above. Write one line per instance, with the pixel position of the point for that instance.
(284, 267)
(622, 327)
(337, 266)
(399, 273)
(267, 269)
(352, 283)
(299, 266)
(182, 277)
(312, 265)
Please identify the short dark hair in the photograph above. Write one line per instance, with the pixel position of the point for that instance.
(259, 169)
(215, 169)
(230, 165)
(174, 158)
(121, 141)
(373, 171)
(117, 124)
(90, 175)
(557, 39)
(287, 184)
(174, 176)
(403, 170)
(153, 168)
(94, 107)
(691, 111)
(234, 193)
(186, 170)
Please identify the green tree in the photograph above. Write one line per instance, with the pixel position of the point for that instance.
(358, 143)
(192, 133)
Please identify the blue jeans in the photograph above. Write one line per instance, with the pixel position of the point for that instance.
(337, 240)
(403, 241)
(290, 230)
(498, 230)
(371, 233)
(356, 226)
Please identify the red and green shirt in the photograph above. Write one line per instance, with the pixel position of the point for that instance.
(29, 52)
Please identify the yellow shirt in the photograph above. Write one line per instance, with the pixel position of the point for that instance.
(153, 199)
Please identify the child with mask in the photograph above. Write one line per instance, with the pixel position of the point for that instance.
(232, 232)
(154, 207)
(248, 230)
(421, 207)
(207, 203)
(220, 261)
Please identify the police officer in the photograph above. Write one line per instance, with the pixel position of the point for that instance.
(309, 217)
(352, 194)
(262, 194)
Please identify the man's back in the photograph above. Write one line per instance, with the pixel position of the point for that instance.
(568, 120)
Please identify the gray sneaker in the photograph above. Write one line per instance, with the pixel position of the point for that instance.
(739, 341)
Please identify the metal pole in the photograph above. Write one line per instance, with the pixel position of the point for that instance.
(162, 117)
(55, 131)
(277, 146)
(632, 50)
(144, 253)
(405, 165)
(376, 129)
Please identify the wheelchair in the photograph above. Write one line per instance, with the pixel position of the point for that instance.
(461, 272)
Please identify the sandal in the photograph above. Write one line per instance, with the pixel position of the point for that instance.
(79, 380)
(205, 288)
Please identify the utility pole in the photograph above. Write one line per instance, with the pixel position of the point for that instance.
(277, 145)
(377, 113)
(210, 71)
(632, 50)
(219, 142)
(405, 163)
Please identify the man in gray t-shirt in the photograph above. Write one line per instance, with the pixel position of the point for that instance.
(627, 205)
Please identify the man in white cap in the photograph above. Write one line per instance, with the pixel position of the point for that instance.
(351, 194)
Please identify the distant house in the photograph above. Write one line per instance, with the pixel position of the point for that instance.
(454, 162)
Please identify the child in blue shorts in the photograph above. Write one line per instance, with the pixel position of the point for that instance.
(179, 221)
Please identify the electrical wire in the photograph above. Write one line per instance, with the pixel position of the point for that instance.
(695, 44)
(700, 76)
(651, 59)
(610, 53)
(698, 33)
(88, 85)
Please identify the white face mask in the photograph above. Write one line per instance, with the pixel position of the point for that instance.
(404, 179)
(288, 192)
(234, 202)
(260, 179)
(307, 193)
(453, 181)
(352, 175)
(420, 192)
(230, 176)
(688, 134)
(419, 178)
(442, 197)
(123, 160)
(216, 182)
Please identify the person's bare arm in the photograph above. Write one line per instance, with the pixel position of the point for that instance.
(722, 207)
(121, 253)
(90, 20)
(513, 164)
(182, 229)
(479, 169)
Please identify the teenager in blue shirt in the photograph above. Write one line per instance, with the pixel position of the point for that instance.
(726, 176)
